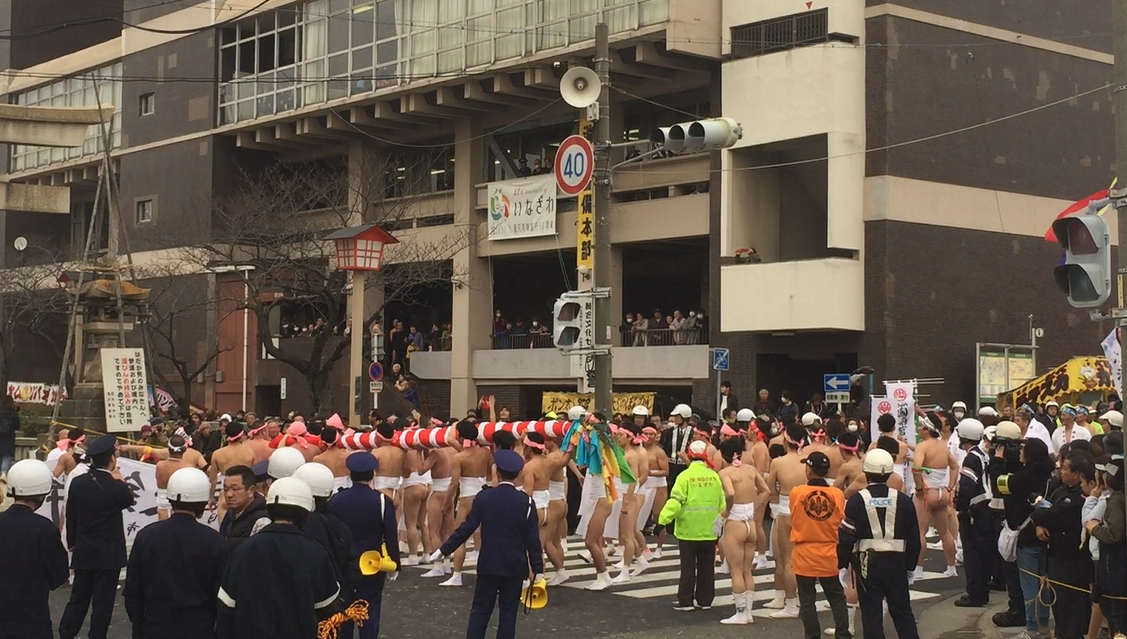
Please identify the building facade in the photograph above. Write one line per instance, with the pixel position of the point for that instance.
(899, 164)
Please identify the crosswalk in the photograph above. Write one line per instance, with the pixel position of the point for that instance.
(659, 581)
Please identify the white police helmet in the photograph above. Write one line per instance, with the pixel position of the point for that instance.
(317, 476)
(284, 461)
(29, 478)
(290, 491)
(190, 486)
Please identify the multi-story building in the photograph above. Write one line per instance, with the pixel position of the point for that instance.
(899, 164)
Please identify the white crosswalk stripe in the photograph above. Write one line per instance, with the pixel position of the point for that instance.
(660, 579)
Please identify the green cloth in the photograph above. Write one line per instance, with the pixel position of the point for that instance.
(694, 504)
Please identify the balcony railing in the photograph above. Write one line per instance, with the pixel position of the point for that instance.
(662, 337)
(504, 342)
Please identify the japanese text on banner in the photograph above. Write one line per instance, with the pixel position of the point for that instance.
(902, 395)
(585, 221)
(125, 388)
(522, 208)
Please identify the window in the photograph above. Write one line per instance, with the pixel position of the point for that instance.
(780, 34)
(144, 211)
(148, 104)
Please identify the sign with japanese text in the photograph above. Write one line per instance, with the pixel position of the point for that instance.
(35, 393)
(624, 403)
(522, 208)
(585, 221)
(902, 396)
(142, 480)
(125, 388)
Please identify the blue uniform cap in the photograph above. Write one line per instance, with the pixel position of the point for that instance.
(508, 461)
(260, 470)
(361, 463)
(102, 445)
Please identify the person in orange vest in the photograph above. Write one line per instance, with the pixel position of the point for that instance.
(817, 509)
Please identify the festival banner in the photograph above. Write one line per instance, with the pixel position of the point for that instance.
(624, 403)
(125, 389)
(34, 393)
(522, 208)
(1113, 352)
(585, 219)
(902, 396)
(878, 405)
(142, 480)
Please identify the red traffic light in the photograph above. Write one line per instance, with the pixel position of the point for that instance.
(1075, 236)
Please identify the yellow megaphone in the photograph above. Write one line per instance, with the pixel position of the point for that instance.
(374, 562)
(535, 596)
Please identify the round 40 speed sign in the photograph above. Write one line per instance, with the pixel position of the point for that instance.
(575, 164)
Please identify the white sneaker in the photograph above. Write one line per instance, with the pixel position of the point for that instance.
(935, 545)
(437, 571)
(585, 556)
(642, 566)
(918, 572)
(471, 556)
(951, 572)
(620, 565)
(454, 580)
(931, 532)
(790, 611)
(760, 562)
(623, 577)
(411, 561)
(656, 554)
(778, 601)
(602, 582)
(723, 568)
(559, 578)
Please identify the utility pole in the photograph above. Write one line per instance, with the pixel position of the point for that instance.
(602, 191)
(1119, 102)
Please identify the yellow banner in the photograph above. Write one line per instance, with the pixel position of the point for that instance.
(624, 403)
(1066, 382)
(585, 223)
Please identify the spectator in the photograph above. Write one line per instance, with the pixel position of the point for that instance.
(626, 330)
(206, 440)
(728, 401)
(416, 338)
(788, 407)
(764, 404)
(435, 337)
(691, 329)
(523, 170)
(9, 424)
(447, 336)
(641, 330)
(536, 168)
(818, 406)
(676, 324)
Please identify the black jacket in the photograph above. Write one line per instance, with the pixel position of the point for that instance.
(1062, 519)
(335, 537)
(855, 527)
(971, 498)
(95, 532)
(174, 572)
(34, 563)
(9, 424)
(1021, 486)
(238, 526)
(278, 585)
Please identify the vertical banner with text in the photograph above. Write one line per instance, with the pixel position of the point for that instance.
(902, 395)
(585, 222)
(125, 388)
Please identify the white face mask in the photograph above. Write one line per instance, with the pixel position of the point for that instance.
(959, 414)
(852, 427)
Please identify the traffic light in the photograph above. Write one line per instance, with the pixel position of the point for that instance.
(1085, 272)
(702, 135)
(567, 329)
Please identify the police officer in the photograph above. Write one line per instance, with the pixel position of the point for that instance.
(325, 528)
(371, 518)
(880, 537)
(32, 553)
(1004, 450)
(96, 537)
(976, 525)
(175, 567)
(279, 583)
(510, 543)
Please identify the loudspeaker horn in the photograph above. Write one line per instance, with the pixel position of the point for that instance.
(580, 87)
(374, 562)
(535, 596)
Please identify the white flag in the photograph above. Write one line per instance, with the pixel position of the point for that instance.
(1113, 351)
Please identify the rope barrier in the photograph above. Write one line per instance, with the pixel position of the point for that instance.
(55, 422)
(330, 628)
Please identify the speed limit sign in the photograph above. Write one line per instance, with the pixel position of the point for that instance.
(575, 164)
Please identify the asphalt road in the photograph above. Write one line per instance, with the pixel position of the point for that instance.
(417, 608)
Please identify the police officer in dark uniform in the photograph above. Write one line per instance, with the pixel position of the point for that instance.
(32, 554)
(880, 538)
(96, 537)
(975, 519)
(1004, 449)
(371, 518)
(510, 543)
(325, 528)
(175, 567)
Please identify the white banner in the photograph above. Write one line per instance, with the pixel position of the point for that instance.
(522, 208)
(34, 393)
(126, 390)
(878, 405)
(1113, 352)
(902, 396)
(142, 480)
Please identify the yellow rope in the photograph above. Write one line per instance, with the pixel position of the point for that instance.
(329, 628)
(1044, 581)
(98, 432)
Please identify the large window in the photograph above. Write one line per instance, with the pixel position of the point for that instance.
(86, 90)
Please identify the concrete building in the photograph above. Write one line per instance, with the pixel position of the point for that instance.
(895, 208)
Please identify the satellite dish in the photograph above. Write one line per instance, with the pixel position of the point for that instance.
(20, 243)
(580, 87)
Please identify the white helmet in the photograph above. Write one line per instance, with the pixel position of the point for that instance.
(317, 476)
(987, 411)
(29, 478)
(1113, 418)
(988, 433)
(877, 462)
(683, 410)
(284, 461)
(970, 429)
(959, 404)
(290, 491)
(189, 485)
(1008, 430)
(745, 415)
(641, 411)
(809, 419)
(576, 412)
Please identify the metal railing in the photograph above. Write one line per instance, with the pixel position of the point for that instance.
(662, 337)
(504, 342)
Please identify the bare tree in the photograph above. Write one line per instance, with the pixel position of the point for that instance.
(272, 232)
(31, 303)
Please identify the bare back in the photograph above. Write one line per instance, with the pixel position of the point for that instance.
(334, 459)
(261, 449)
(932, 453)
(786, 472)
(742, 484)
(536, 474)
(639, 462)
(848, 473)
(166, 467)
(438, 462)
(474, 462)
(392, 461)
(233, 454)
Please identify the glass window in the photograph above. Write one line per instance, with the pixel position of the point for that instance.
(144, 211)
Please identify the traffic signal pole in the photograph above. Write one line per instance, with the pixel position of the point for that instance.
(602, 193)
(1119, 194)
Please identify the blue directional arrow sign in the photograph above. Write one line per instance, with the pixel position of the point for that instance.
(720, 359)
(835, 382)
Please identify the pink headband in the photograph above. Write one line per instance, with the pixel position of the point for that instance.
(650, 430)
(800, 444)
(729, 431)
(335, 421)
(639, 439)
(255, 431)
(853, 449)
(236, 438)
(531, 444)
